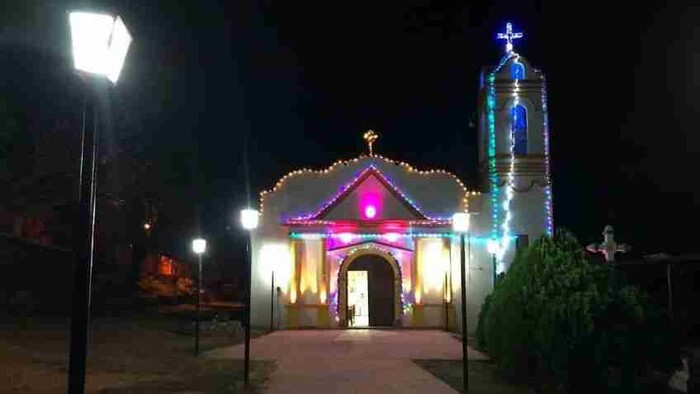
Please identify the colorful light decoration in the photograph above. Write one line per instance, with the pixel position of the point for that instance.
(391, 237)
(510, 180)
(418, 223)
(549, 209)
(342, 163)
(501, 205)
(509, 36)
(353, 182)
(501, 237)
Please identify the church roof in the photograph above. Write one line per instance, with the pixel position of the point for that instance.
(351, 173)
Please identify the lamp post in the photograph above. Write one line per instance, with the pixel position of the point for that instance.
(492, 248)
(249, 222)
(99, 45)
(460, 225)
(199, 246)
(272, 303)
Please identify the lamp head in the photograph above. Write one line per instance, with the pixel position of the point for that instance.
(100, 43)
(249, 219)
(460, 222)
(199, 245)
(492, 246)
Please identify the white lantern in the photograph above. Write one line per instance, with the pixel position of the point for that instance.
(199, 245)
(460, 222)
(100, 43)
(249, 219)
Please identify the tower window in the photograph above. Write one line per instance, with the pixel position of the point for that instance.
(517, 71)
(519, 129)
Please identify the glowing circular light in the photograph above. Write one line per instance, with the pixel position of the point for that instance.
(346, 237)
(370, 211)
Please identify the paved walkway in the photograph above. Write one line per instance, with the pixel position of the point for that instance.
(352, 361)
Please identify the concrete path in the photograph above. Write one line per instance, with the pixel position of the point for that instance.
(352, 361)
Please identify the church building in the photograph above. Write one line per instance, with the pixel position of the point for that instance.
(369, 242)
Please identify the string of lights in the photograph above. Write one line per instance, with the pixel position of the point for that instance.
(341, 163)
(549, 214)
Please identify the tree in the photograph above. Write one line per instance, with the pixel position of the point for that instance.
(557, 319)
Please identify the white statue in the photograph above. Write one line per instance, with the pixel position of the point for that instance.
(609, 247)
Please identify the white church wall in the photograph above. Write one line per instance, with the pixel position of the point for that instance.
(270, 251)
(479, 272)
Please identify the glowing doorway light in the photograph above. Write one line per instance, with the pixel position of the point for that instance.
(100, 43)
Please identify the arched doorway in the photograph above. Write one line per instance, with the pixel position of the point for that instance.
(381, 275)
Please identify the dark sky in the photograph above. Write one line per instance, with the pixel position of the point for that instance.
(305, 80)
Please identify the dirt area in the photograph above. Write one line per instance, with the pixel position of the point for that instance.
(153, 354)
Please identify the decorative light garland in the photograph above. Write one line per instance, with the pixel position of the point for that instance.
(339, 163)
(549, 209)
(373, 236)
(354, 182)
(351, 236)
(510, 183)
(321, 222)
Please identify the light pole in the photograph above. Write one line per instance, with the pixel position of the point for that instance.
(249, 222)
(272, 303)
(199, 246)
(492, 248)
(99, 44)
(460, 225)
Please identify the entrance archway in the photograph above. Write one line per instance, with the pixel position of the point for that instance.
(384, 286)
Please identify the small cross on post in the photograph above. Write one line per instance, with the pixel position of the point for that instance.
(509, 36)
(370, 136)
(609, 247)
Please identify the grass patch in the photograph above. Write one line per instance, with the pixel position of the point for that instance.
(137, 354)
(483, 377)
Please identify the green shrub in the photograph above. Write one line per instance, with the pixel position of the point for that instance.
(480, 329)
(556, 319)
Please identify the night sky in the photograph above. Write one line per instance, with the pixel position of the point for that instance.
(304, 81)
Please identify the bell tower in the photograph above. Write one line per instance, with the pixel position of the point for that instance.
(514, 161)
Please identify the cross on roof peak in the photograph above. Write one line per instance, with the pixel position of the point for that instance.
(509, 36)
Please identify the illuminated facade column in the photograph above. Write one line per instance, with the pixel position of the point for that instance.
(323, 277)
(297, 253)
(416, 272)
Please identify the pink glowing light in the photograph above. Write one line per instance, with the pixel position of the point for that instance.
(370, 211)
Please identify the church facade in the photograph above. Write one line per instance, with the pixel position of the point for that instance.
(369, 241)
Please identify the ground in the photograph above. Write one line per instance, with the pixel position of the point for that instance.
(127, 355)
(367, 361)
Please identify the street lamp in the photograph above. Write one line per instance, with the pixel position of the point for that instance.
(249, 222)
(492, 248)
(99, 44)
(460, 225)
(199, 246)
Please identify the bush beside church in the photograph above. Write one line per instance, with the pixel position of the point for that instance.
(558, 321)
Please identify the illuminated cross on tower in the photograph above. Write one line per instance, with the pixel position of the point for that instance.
(609, 247)
(509, 36)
